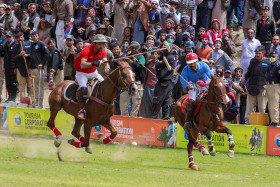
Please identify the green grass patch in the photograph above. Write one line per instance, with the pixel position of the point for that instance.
(33, 162)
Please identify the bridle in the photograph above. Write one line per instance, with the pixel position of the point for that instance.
(127, 86)
(121, 78)
(217, 97)
(218, 102)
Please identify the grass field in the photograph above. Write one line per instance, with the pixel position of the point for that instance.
(33, 162)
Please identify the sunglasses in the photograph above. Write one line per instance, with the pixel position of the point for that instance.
(154, 4)
(219, 72)
(105, 20)
(165, 6)
(211, 62)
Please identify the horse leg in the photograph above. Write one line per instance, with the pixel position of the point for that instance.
(51, 125)
(87, 131)
(110, 127)
(211, 148)
(77, 128)
(224, 129)
(192, 140)
(201, 148)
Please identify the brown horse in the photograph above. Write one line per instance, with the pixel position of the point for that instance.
(99, 108)
(209, 118)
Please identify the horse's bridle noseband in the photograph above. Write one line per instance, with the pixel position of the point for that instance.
(215, 95)
(127, 86)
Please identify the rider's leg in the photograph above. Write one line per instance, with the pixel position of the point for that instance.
(190, 109)
(82, 100)
(82, 79)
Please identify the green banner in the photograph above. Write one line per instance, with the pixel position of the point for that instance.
(247, 139)
(34, 121)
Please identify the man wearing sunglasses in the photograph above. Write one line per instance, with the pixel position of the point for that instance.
(106, 22)
(248, 50)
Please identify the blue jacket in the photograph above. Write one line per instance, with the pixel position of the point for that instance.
(86, 3)
(202, 73)
(163, 74)
(232, 112)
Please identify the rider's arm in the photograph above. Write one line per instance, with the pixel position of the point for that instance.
(208, 81)
(107, 65)
(85, 64)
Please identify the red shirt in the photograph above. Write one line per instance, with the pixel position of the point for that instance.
(90, 55)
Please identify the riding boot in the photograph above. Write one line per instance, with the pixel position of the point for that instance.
(189, 114)
(82, 100)
(82, 112)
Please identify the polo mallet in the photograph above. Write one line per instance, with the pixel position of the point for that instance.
(170, 68)
(25, 62)
(24, 59)
(39, 87)
(167, 47)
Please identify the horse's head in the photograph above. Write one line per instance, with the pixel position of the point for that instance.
(218, 89)
(127, 78)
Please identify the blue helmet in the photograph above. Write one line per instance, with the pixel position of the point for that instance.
(190, 44)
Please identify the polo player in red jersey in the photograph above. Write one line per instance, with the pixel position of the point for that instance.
(91, 57)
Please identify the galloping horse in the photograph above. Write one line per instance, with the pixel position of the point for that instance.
(99, 108)
(209, 118)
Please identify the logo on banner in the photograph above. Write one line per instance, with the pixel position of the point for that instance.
(277, 140)
(17, 119)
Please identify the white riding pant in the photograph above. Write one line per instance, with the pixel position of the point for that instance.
(195, 90)
(83, 78)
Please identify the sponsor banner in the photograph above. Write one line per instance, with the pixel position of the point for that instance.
(273, 141)
(247, 139)
(143, 131)
(182, 137)
(34, 121)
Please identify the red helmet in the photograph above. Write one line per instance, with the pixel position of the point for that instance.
(204, 36)
(191, 58)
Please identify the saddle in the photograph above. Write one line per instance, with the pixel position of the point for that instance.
(198, 102)
(71, 92)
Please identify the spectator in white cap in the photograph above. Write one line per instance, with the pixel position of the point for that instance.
(220, 57)
(17, 12)
(154, 14)
(185, 21)
(2, 13)
(10, 20)
(165, 13)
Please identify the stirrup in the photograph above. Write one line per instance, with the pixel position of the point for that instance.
(82, 114)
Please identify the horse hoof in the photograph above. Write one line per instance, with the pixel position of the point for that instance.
(58, 141)
(230, 153)
(89, 149)
(71, 141)
(204, 151)
(194, 167)
(213, 152)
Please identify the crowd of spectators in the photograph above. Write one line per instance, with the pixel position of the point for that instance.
(42, 39)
